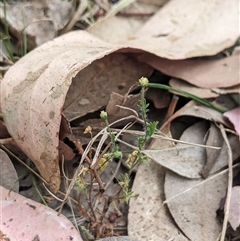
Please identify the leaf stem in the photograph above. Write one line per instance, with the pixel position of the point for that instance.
(188, 95)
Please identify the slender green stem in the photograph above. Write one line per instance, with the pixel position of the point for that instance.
(7, 41)
(188, 95)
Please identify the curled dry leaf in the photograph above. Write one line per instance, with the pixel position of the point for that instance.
(33, 96)
(23, 219)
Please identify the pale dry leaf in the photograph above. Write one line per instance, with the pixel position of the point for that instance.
(183, 29)
(222, 160)
(148, 218)
(200, 92)
(202, 73)
(116, 29)
(194, 109)
(8, 177)
(234, 212)
(193, 204)
(25, 219)
(214, 139)
(183, 159)
(230, 90)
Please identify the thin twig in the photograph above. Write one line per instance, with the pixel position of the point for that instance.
(76, 17)
(198, 184)
(114, 174)
(156, 136)
(96, 175)
(230, 180)
(6, 141)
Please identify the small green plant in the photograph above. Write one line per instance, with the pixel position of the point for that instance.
(137, 155)
(124, 183)
(115, 152)
(5, 37)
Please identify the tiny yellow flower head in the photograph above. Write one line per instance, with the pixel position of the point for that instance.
(103, 115)
(143, 82)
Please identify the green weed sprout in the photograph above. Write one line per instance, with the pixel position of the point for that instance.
(124, 183)
(115, 152)
(149, 128)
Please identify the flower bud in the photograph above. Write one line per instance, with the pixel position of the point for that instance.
(143, 82)
(103, 115)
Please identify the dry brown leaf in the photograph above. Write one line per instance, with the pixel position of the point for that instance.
(121, 106)
(201, 73)
(222, 159)
(193, 204)
(3, 131)
(234, 214)
(200, 92)
(116, 29)
(91, 88)
(8, 177)
(160, 98)
(185, 160)
(183, 29)
(214, 139)
(194, 109)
